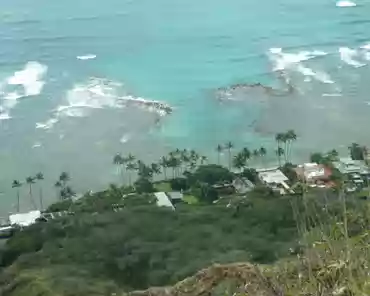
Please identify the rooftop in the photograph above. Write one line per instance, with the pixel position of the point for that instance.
(347, 165)
(163, 200)
(24, 219)
(272, 175)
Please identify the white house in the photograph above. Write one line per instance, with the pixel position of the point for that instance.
(273, 177)
(24, 219)
(349, 166)
(163, 200)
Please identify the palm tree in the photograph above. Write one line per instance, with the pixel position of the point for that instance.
(263, 153)
(219, 150)
(30, 181)
(173, 163)
(290, 137)
(280, 152)
(333, 155)
(64, 178)
(130, 167)
(256, 154)
(18, 185)
(58, 186)
(194, 156)
(164, 164)
(156, 169)
(203, 160)
(246, 153)
(119, 161)
(185, 158)
(40, 177)
(131, 158)
(239, 161)
(229, 146)
(279, 138)
(67, 193)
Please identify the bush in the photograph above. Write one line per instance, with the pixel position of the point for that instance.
(143, 185)
(179, 184)
(211, 174)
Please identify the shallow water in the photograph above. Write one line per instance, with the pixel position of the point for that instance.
(70, 71)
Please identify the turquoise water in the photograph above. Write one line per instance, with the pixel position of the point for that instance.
(178, 53)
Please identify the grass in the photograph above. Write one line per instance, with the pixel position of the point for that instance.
(163, 187)
(190, 199)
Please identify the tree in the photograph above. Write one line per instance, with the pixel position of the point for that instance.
(30, 181)
(119, 161)
(229, 146)
(164, 164)
(279, 138)
(194, 156)
(173, 163)
(239, 161)
(357, 152)
(246, 153)
(64, 178)
(156, 169)
(67, 193)
(317, 157)
(130, 167)
(16, 184)
(280, 152)
(219, 150)
(58, 186)
(333, 155)
(185, 158)
(256, 154)
(290, 137)
(251, 175)
(40, 177)
(143, 185)
(203, 160)
(212, 174)
(263, 153)
(131, 158)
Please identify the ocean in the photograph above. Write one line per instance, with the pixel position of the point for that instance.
(83, 80)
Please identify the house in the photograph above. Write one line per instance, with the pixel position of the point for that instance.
(243, 185)
(349, 166)
(313, 173)
(163, 200)
(175, 196)
(6, 231)
(24, 219)
(274, 178)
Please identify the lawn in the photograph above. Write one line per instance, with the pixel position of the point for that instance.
(163, 187)
(190, 199)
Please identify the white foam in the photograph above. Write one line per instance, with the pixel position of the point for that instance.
(294, 62)
(37, 145)
(98, 93)
(86, 57)
(366, 46)
(5, 116)
(47, 124)
(30, 81)
(30, 78)
(348, 56)
(346, 3)
(332, 95)
(125, 138)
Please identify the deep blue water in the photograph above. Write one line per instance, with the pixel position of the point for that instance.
(179, 53)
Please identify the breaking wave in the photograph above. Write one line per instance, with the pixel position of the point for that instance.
(99, 93)
(26, 82)
(346, 3)
(86, 57)
(350, 56)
